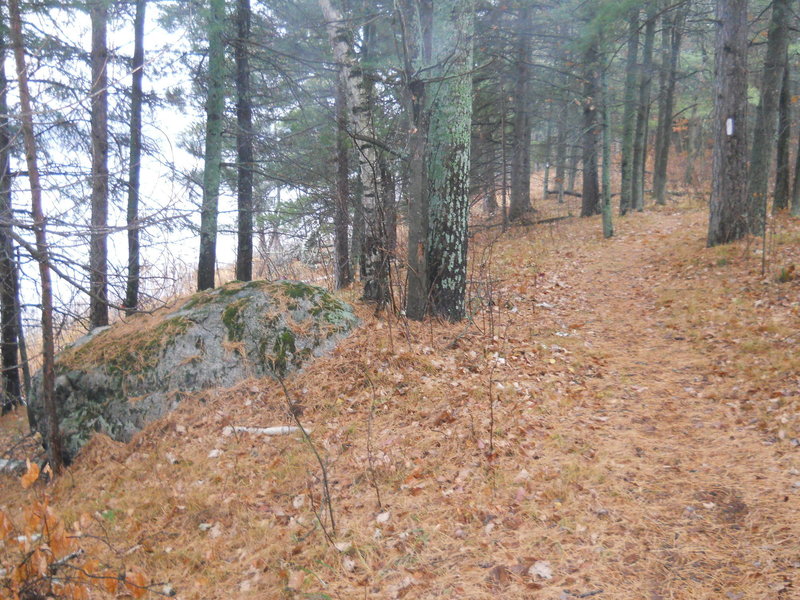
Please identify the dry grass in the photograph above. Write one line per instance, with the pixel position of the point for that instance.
(632, 446)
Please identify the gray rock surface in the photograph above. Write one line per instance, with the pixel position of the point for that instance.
(115, 380)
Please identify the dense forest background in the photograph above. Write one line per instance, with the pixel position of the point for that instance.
(356, 140)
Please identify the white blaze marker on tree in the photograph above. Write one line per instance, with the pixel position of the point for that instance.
(729, 126)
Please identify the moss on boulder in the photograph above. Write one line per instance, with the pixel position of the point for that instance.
(117, 379)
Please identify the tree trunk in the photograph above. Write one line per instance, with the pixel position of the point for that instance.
(629, 113)
(417, 26)
(672, 38)
(215, 104)
(98, 253)
(449, 104)
(764, 132)
(728, 206)
(23, 350)
(244, 145)
(782, 173)
(561, 152)
(643, 111)
(52, 436)
(343, 275)
(135, 160)
(547, 153)
(796, 187)
(9, 280)
(608, 222)
(374, 255)
(574, 157)
(590, 202)
(521, 158)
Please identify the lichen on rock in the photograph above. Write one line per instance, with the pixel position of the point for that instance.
(117, 379)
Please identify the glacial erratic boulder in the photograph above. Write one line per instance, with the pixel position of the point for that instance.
(117, 379)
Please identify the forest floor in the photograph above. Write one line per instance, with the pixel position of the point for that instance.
(621, 420)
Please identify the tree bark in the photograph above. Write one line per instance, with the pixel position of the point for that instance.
(629, 113)
(520, 202)
(417, 26)
(764, 132)
(449, 104)
(374, 256)
(244, 144)
(135, 161)
(643, 111)
(215, 104)
(344, 274)
(53, 435)
(782, 173)
(728, 206)
(608, 220)
(796, 187)
(98, 253)
(672, 37)
(590, 201)
(9, 279)
(561, 152)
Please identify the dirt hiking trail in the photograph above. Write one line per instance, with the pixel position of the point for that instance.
(619, 422)
(708, 505)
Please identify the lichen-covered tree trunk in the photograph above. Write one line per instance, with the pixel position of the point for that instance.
(672, 37)
(215, 103)
(629, 113)
(728, 206)
(520, 202)
(9, 280)
(449, 104)
(782, 171)
(134, 161)
(98, 251)
(244, 144)
(764, 132)
(590, 201)
(53, 433)
(643, 111)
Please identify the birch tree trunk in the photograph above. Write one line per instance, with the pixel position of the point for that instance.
(374, 256)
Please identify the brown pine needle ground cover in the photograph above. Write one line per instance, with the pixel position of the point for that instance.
(622, 425)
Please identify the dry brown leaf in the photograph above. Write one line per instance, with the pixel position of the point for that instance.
(30, 476)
